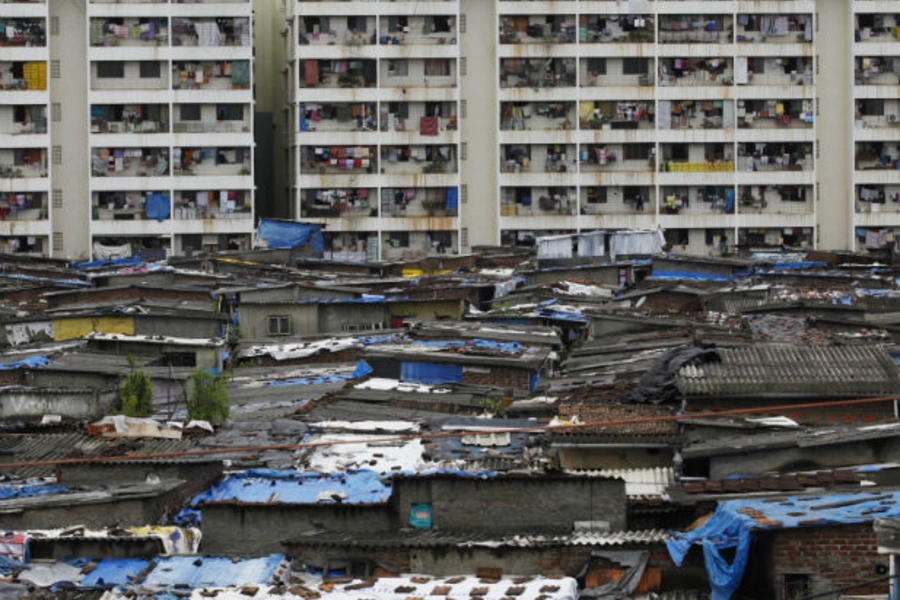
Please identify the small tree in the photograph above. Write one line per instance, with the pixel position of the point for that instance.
(209, 399)
(136, 395)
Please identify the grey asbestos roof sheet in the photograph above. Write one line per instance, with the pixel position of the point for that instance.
(849, 371)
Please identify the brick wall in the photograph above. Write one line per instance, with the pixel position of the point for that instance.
(832, 556)
(499, 377)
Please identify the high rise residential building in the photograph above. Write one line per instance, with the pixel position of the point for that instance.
(430, 126)
(128, 127)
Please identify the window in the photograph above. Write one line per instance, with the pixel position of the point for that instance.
(56, 111)
(57, 241)
(464, 194)
(463, 108)
(229, 112)
(109, 69)
(795, 586)
(150, 69)
(280, 325)
(596, 195)
(463, 66)
(437, 67)
(54, 68)
(54, 25)
(873, 107)
(464, 151)
(190, 112)
(398, 68)
(399, 239)
(57, 198)
(356, 24)
(597, 66)
(401, 109)
(462, 23)
(56, 156)
(634, 66)
(464, 237)
(637, 151)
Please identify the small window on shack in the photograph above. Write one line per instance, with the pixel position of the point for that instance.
(280, 325)
(795, 586)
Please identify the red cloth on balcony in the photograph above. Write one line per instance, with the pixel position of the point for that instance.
(429, 125)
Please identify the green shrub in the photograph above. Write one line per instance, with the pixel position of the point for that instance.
(209, 399)
(136, 394)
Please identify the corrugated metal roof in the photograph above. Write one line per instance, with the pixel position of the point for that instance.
(639, 483)
(852, 371)
(56, 446)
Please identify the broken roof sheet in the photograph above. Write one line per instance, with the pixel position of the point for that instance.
(381, 453)
(267, 486)
(847, 371)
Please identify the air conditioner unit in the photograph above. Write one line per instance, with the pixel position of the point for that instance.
(893, 119)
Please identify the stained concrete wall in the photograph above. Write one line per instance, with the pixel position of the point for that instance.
(231, 529)
(17, 404)
(512, 505)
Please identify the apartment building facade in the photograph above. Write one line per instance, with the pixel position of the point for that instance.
(128, 127)
(722, 121)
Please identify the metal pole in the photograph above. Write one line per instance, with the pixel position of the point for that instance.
(893, 574)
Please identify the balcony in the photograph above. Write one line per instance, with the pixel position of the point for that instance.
(131, 32)
(627, 158)
(538, 201)
(615, 29)
(211, 33)
(129, 162)
(338, 160)
(23, 33)
(536, 116)
(538, 158)
(419, 202)
(876, 70)
(131, 206)
(412, 245)
(224, 75)
(414, 160)
(878, 113)
(695, 29)
(428, 30)
(775, 114)
(336, 31)
(877, 156)
(23, 76)
(619, 115)
(694, 115)
(688, 72)
(606, 72)
(212, 118)
(114, 75)
(537, 73)
(339, 203)
(28, 119)
(775, 199)
(23, 206)
(130, 118)
(617, 200)
(772, 157)
(877, 199)
(775, 71)
(418, 73)
(537, 29)
(877, 28)
(211, 162)
(697, 200)
(231, 205)
(338, 74)
(23, 163)
(774, 29)
(696, 158)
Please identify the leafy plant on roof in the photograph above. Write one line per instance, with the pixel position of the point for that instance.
(494, 404)
(209, 398)
(136, 393)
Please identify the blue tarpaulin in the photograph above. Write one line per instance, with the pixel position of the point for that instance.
(430, 373)
(33, 362)
(194, 572)
(30, 490)
(674, 275)
(158, 206)
(107, 262)
(807, 264)
(288, 234)
(452, 198)
(292, 487)
(732, 524)
(362, 369)
(114, 572)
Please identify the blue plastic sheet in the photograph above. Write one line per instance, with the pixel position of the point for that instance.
(158, 206)
(731, 527)
(362, 369)
(30, 490)
(675, 275)
(808, 264)
(107, 262)
(430, 373)
(188, 517)
(195, 572)
(288, 234)
(292, 487)
(33, 362)
(114, 572)
(452, 198)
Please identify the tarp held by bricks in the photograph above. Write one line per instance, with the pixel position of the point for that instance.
(657, 385)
